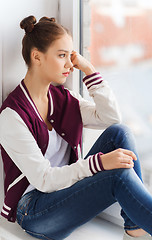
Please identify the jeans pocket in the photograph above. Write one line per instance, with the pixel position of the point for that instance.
(19, 218)
(22, 208)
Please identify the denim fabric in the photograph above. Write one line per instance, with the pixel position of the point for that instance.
(55, 215)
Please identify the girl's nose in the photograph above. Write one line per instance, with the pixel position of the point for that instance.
(69, 63)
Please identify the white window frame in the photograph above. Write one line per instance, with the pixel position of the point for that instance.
(69, 17)
(1, 70)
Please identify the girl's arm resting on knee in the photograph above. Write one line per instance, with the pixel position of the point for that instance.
(23, 150)
(102, 113)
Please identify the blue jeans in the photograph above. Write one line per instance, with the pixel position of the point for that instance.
(55, 215)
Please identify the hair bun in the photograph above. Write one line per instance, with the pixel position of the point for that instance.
(28, 23)
(47, 19)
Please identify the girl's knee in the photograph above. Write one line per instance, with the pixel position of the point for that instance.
(127, 175)
(120, 129)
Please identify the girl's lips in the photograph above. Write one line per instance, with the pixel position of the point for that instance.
(66, 74)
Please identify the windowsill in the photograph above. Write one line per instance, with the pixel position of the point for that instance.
(112, 214)
(91, 230)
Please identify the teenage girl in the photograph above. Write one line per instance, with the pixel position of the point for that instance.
(49, 188)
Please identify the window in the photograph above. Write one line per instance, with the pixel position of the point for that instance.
(117, 37)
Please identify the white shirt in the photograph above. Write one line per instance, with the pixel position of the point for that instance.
(58, 153)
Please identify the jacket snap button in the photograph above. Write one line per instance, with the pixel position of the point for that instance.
(62, 134)
(75, 147)
(52, 121)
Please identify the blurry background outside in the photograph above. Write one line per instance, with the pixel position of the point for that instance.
(117, 38)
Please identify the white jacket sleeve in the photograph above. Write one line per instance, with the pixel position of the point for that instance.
(104, 110)
(23, 150)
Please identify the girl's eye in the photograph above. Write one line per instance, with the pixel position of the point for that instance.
(62, 55)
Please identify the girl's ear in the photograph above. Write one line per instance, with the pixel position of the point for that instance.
(35, 56)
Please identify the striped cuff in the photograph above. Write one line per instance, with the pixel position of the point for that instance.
(92, 80)
(95, 163)
(5, 210)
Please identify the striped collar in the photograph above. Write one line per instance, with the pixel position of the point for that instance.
(26, 93)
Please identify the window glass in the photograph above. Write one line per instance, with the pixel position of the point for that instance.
(117, 37)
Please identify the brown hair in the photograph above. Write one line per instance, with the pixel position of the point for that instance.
(39, 35)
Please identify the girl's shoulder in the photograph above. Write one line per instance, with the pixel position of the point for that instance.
(11, 98)
(17, 101)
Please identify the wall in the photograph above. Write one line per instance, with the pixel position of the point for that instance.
(12, 67)
(1, 176)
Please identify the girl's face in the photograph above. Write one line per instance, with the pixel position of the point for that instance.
(56, 62)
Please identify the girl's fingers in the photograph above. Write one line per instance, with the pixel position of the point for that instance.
(126, 165)
(75, 66)
(71, 69)
(73, 52)
(130, 153)
(126, 160)
(119, 158)
(73, 55)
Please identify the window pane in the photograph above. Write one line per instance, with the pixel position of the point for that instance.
(117, 36)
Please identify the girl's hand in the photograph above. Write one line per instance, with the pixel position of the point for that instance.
(119, 158)
(81, 63)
